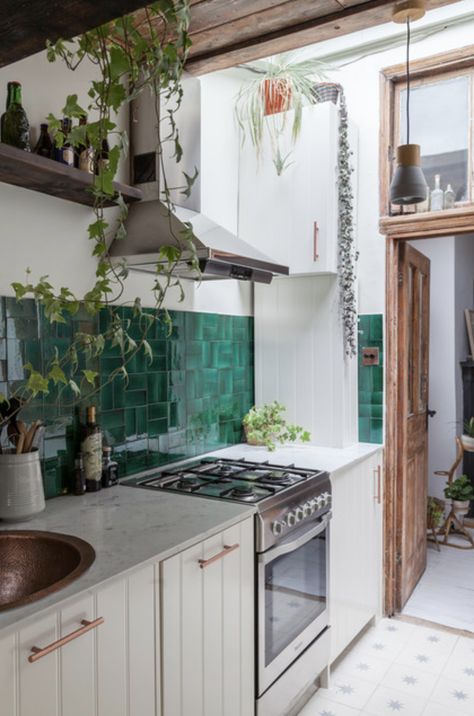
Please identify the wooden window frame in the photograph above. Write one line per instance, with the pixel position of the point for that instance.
(456, 221)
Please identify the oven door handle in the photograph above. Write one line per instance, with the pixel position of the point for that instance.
(286, 547)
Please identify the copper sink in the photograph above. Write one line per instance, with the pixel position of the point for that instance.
(34, 564)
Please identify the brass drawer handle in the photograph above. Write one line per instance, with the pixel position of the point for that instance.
(315, 241)
(86, 626)
(227, 550)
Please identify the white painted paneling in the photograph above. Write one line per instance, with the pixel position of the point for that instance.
(355, 552)
(38, 686)
(77, 661)
(8, 676)
(111, 638)
(208, 628)
(299, 357)
(141, 642)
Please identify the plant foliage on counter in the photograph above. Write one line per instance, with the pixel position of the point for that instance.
(266, 425)
(133, 56)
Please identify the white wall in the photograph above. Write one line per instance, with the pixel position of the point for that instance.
(451, 289)
(49, 235)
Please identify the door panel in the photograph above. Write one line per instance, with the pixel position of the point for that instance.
(412, 429)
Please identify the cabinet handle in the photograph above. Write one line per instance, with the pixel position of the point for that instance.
(86, 626)
(227, 550)
(315, 241)
(378, 478)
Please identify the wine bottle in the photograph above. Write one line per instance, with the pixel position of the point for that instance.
(91, 449)
(14, 123)
(44, 146)
(102, 157)
(65, 153)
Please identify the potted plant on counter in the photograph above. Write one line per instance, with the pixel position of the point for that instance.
(467, 437)
(281, 84)
(461, 492)
(266, 426)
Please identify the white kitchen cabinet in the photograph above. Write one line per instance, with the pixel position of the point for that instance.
(293, 218)
(108, 671)
(208, 627)
(356, 550)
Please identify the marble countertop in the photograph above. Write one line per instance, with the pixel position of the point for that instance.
(128, 527)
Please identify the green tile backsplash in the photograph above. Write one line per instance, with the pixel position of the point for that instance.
(189, 399)
(371, 380)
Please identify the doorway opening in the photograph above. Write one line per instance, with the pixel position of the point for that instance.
(429, 396)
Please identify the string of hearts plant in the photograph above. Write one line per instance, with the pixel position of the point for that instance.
(133, 54)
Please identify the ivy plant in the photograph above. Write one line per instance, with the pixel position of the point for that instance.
(133, 54)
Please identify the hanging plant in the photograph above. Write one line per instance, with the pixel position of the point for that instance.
(132, 56)
(263, 105)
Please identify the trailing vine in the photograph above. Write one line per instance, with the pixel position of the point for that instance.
(133, 55)
(347, 253)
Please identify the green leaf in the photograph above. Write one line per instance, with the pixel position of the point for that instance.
(74, 387)
(147, 349)
(36, 382)
(3, 398)
(57, 375)
(119, 63)
(72, 108)
(90, 376)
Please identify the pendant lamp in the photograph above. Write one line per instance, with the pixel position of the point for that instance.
(408, 183)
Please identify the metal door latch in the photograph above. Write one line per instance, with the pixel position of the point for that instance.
(370, 356)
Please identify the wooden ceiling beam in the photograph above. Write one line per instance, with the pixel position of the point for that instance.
(234, 46)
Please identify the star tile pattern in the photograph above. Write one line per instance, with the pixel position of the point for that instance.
(400, 668)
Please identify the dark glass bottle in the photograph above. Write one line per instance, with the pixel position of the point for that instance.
(44, 146)
(85, 153)
(14, 123)
(79, 476)
(91, 448)
(65, 153)
(109, 468)
(102, 161)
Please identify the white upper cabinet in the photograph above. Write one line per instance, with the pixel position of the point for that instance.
(293, 218)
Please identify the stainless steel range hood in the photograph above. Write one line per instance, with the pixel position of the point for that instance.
(221, 254)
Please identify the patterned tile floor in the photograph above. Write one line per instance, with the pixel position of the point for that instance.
(401, 668)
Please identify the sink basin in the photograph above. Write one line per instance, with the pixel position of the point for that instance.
(34, 564)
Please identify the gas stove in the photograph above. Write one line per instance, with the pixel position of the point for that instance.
(284, 496)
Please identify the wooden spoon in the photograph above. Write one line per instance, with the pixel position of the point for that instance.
(15, 429)
(20, 443)
(29, 437)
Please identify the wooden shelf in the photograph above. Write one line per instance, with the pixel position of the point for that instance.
(25, 26)
(31, 171)
(430, 223)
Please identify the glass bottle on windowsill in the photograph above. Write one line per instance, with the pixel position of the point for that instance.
(449, 197)
(437, 195)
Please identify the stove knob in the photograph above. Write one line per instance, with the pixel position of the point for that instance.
(299, 514)
(277, 528)
(319, 502)
(326, 497)
(308, 508)
(291, 519)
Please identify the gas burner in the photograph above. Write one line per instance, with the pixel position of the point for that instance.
(187, 483)
(241, 492)
(219, 469)
(279, 477)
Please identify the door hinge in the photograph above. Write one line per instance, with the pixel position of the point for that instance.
(398, 558)
(400, 278)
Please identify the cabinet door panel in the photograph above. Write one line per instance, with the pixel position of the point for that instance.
(141, 642)
(171, 590)
(8, 652)
(77, 661)
(192, 632)
(111, 651)
(213, 626)
(38, 681)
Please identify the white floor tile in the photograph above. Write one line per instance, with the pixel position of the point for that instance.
(363, 664)
(420, 656)
(319, 705)
(433, 709)
(433, 640)
(460, 666)
(349, 691)
(380, 644)
(410, 680)
(465, 646)
(455, 695)
(386, 702)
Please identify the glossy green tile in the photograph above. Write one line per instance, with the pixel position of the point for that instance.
(130, 423)
(135, 397)
(112, 419)
(222, 354)
(157, 427)
(158, 411)
(376, 430)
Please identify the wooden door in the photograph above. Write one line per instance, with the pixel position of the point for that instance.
(412, 416)
(208, 627)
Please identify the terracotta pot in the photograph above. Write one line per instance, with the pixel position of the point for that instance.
(276, 96)
(467, 443)
(251, 441)
(461, 507)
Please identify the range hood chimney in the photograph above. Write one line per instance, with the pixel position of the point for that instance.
(221, 254)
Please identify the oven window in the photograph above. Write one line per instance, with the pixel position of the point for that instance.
(295, 594)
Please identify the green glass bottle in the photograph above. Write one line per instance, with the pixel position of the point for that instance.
(14, 123)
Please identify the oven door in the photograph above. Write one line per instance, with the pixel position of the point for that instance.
(292, 598)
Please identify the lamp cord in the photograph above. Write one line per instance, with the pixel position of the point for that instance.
(408, 80)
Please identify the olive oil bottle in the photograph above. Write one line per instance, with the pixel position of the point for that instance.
(91, 449)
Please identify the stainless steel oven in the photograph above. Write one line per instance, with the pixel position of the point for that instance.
(292, 588)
